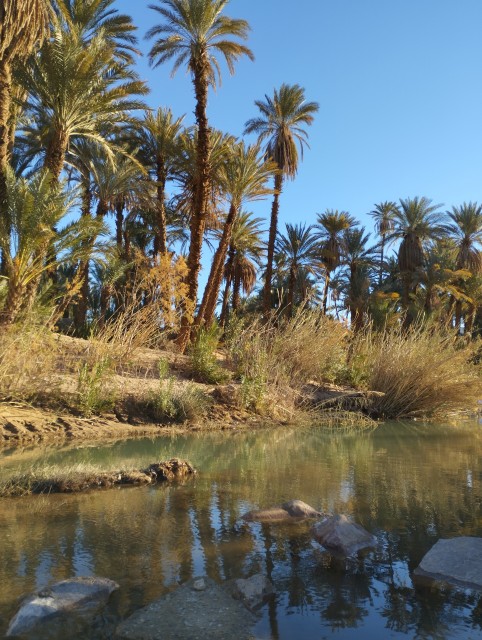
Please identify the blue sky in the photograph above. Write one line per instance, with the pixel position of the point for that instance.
(399, 84)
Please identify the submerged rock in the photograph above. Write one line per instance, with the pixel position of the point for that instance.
(339, 534)
(251, 591)
(293, 510)
(457, 561)
(76, 594)
(190, 613)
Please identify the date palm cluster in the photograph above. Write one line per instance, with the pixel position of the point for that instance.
(106, 203)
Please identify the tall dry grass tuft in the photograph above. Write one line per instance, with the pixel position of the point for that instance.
(28, 361)
(422, 372)
(274, 360)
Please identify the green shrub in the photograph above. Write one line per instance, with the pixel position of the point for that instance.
(176, 402)
(93, 393)
(202, 354)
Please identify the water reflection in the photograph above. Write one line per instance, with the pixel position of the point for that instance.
(409, 485)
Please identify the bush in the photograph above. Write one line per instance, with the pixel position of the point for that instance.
(93, 393)
(423, 372)
(273, 361)
(177, 402)
(202, 354)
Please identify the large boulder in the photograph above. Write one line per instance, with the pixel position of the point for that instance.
(457, 561)
(79, 595)
(252, 591)
(197, 610)
(341, 535)
(292, 510)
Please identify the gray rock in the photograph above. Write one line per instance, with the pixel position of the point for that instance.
(252, 591)
(76, 594)
(457, 561)
(187, 614)
(339, 534)
(293, 510)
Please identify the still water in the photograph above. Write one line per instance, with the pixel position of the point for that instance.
(408, 484)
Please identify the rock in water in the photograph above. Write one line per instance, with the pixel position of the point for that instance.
(457, 561)
(190, 614)
(74, 594)
(251, 591)
(293, 510)
(299, 509)
(339, 534)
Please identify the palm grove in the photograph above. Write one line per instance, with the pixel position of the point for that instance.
(79, 145)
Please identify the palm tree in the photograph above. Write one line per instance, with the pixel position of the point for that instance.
(416, 222)
(297, 251)
(359, 261)
(244, 256)
(384, 216)
(158, 139)
(192, 33)
(332, 224)
(92, 16)
(281, 126)
(26, 234)
(76, 91)
(465, 228)
(243, 178)
(23, 26)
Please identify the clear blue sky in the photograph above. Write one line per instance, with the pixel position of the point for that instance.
(399, 84)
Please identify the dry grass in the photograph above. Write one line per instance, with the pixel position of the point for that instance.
(274, 360)
(422, 372)
(28, 361)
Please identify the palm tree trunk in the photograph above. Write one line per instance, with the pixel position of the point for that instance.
(119, 224)
(13, 304)
(382, 251)
(273, 229)
(291, 290)
(160, 235)
(325, 292)
(198, 220)
(5, 104)
(236, 292)
(55, 155)
(211, 293)
(229, 279)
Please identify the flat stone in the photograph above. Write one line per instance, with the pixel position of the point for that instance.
(187, 614)
(292, 510)
(75, 594)
(457, 561)
(339, 534)
(252, 591)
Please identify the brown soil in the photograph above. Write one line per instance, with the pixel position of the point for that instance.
(51, 418)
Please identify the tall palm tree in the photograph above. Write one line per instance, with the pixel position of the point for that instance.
(281, 127)
(358, 259)
(296, 250)
(331, 224)
(244, 256)
(192, 33)
(23, 26)
(384, 216)
(416, 222)
(76, 91)
(465, 228)
(243, 178)
(158, 139)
